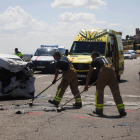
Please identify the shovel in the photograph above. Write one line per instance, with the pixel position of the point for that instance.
(61, 108)
(31, 102)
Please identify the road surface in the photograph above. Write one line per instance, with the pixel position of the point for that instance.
(43, 122)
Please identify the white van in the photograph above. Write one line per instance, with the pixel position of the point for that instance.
(43, 58)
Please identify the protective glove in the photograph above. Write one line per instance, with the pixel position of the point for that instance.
(54, 81)
(86, 88)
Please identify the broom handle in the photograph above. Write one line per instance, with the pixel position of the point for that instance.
(77, 95)
(45, 89)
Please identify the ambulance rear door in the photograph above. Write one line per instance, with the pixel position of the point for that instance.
(120, 55)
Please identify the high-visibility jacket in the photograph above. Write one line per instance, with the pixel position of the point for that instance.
(19, 54)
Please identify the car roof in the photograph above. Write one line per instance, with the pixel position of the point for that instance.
(130, 50)
(2, 55)
(46, 48)
(62, 47)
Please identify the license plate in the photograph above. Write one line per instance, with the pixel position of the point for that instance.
(81, 76)
(41, 67)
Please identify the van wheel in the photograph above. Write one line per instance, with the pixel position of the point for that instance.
(118, 77)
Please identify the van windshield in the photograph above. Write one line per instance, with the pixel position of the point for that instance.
(86, 48)
(44, 52)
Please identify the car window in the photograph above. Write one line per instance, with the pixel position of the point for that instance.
(127, 53)
(44, 52)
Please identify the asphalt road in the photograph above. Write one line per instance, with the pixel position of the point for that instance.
(43, 122)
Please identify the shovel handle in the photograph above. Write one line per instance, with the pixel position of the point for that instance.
(46, 89)
(77, 95)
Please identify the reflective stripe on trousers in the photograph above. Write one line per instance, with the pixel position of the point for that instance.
(98, 106)
(120, 106)
(57, 98)
(78, 100)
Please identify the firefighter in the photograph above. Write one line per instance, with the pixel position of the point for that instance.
(19, 54)
(106, 76)
(69, 78)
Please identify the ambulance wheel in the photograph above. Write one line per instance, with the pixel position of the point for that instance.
(118, 77)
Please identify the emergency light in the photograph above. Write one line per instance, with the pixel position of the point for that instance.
(49, 46)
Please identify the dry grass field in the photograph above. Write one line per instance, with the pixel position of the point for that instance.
(138, 53)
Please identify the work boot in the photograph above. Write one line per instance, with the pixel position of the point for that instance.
(122, 113)
(77, 105)
(53, 102)
(98, 112)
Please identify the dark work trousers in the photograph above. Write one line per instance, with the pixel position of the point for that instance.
(107, 76)
(69, 78)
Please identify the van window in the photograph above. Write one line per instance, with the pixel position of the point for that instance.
(86, 48)
(62, 51)
(44, 52)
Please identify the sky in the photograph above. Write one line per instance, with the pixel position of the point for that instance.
(27, 24)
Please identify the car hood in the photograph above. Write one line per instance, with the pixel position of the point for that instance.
(42, 58)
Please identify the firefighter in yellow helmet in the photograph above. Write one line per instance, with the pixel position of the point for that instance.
(69, 78)
(106, 76)
(19, 54)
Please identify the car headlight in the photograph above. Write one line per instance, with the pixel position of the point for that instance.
(52, 62)
(31, 61)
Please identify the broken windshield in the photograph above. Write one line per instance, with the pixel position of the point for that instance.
(44, 52)
(86, 48)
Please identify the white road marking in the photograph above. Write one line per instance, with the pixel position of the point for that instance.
(47, 82)
(41, 76)
(70, 90)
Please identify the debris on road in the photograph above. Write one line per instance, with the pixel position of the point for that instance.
(20, 112)
(49, 109)
(3, 109)
(16, 79)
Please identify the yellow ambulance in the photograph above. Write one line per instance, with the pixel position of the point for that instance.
(107, 42)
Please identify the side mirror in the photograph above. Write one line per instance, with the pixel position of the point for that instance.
(66, 52)
(108, 53)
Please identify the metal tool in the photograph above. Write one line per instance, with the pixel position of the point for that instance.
(61, 108)
(31, 102)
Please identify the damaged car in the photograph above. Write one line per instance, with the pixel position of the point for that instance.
(16, 79)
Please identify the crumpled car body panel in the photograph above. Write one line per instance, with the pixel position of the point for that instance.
(20, 82)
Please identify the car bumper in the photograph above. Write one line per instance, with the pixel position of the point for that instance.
(128, 57)
(42, 66)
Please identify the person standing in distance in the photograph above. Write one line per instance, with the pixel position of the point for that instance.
(69, 78)
(19, 54)
(106, 76)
